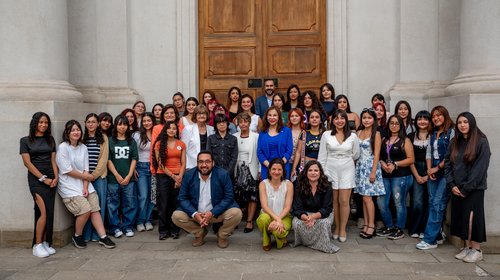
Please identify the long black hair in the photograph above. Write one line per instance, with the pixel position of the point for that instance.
(345, 129)
(342, 96)
(121, 119)
(372, 113)
(162, 139)
(105, 116)
(303, 184)
(401, 133)
(35, 119)
(424, 114)
(472, 141)
(99, 139)
(143, 132)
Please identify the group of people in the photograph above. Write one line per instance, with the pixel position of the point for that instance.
(303, 159)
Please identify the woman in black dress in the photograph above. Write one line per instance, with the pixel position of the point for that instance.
(38, 151)
(466, 166)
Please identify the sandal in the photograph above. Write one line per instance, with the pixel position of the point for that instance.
(363, 231)
(368, 235)
(247, 229)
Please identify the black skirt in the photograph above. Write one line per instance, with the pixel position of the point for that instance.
(461, 208)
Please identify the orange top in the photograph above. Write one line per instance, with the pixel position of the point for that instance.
(173, 163)
(156, 131)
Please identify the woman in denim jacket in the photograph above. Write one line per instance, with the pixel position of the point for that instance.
(438, 193)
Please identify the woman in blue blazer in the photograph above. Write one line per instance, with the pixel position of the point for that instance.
(275, 141)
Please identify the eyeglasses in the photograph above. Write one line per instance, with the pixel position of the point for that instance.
(367, 110)
(207, 162)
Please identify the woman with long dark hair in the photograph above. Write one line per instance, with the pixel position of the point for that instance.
(247, 105)
(187, 118)
(278, 102)
(369, 181)
(311, 102)
(139, 108)
(466, 168)
(419, 194)
(395, 159)
(438, 193)
(275, 141)
(338, 149)
(106, 123)
(312, 209)
(132, 119)
(233, 101)
(381, 113)
(38, 151)
(98, 149)
(293, 98)
(343, 104)
(143, 173)
(156, 110)
(403, 109)
(327, 98)
(169, 162)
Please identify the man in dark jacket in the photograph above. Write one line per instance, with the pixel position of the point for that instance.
(205, 197)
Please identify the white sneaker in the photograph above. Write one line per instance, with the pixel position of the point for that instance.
(421, 236)
(415, 235)
(463, 253)
(149, 226)
(140, 228)
(473, 256)
(118, 233)
(39, 251)
(425, 246)
(129, 233)
(47, 247)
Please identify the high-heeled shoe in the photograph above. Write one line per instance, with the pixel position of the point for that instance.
(247, 229)
(367, 235)
(342, 239)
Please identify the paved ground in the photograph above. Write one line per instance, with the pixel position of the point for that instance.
(145, 257)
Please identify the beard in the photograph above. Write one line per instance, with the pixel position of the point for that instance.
(205, 171)
(269, 92)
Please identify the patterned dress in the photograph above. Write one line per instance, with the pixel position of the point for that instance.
(363, 170)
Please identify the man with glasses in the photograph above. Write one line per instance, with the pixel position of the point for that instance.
(205, 197)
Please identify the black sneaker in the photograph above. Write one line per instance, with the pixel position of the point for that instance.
(79, 242)
(384, 232)
(107, 243)
(397, 234)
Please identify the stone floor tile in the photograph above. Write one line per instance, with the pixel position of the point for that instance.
(197, 265)
(86, 275)
(271, 276)
(212, 275)
(117, 263)
(361, 257)
(448, 269)
(492, 269)
(373, 268)
(301, 266)
(150, 275)
(446, 257)
(146, 265)
(56, 262)
(19, 263)
(491, 258)
(411, 257)
(31, 275)
(426, 277)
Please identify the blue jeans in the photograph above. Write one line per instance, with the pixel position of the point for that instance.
(124, 198)
(438, 199)
(398, 187)
(144, 205)
(100, 186)
(419, 202)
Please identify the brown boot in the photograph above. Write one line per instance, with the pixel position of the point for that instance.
(198, 241)
(222, 243)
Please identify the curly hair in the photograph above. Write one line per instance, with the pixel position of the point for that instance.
(303, 184)
(330, 87)
(35, 119)
(162, 139)
(316, 104)
(99, 139)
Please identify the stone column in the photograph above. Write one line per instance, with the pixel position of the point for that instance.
(428, 51)
(477, 89)
(34, 51)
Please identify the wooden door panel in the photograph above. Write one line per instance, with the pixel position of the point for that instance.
(244, 39)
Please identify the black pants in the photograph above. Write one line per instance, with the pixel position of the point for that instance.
(166, 203)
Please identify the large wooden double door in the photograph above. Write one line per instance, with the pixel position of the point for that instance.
(247, 39)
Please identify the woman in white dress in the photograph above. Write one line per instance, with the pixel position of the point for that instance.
(338, 150)
(195, 136)
(187, 118)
